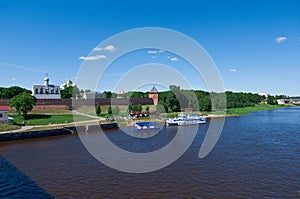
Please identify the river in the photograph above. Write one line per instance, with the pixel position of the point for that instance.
(256, 156)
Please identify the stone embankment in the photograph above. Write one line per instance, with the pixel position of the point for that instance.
(55, 132)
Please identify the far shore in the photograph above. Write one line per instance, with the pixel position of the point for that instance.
(129, 122)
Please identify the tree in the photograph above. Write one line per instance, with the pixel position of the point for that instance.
(160, 108)
(109, 111)
(139, 108)
(271, 100)
(70, 91)
(116, 110)
(147, 108)
(23, 103)
(98, 109)
(130, 107)
(10, 92)
(108, 94)
(204, 103)
(169, 99)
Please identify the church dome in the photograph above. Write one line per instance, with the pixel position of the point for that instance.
(69, 82)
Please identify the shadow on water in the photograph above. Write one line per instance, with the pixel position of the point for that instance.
(256, 156)
(13, 181)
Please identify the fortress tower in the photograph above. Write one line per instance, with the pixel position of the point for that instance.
(153, 94)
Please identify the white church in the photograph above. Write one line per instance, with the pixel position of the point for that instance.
(46, 90)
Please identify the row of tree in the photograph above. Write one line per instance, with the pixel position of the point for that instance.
(177, 99)
(115, 110)
(10, 92)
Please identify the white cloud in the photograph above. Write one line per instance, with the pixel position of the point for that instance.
(155, 51)
(21, 67)
(110, 48)
(152, 51)
(232, 70)
(92, 58)
(13, 79)
(281, 39)
(174, 59)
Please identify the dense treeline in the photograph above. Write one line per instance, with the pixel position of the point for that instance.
(177, 99)
(10, 92)
(239, 100)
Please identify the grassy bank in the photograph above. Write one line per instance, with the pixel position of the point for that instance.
(257, 107)
(6, 127)
(45, 119)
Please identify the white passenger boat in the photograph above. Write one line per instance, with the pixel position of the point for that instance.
(183, 119)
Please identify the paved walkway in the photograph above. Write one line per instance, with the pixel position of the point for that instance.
(23, 128)
(87, 115)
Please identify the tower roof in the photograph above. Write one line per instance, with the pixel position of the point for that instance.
(153, 90)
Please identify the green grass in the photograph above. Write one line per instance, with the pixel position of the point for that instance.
(6, 127)
(257, 107)
(45, 119)
(232, 111)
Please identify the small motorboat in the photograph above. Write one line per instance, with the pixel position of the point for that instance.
(145, 126)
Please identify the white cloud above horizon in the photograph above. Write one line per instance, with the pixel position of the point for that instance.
(13, 79)
(281, 39)
(152, 51)
(174, 59)
(110, 48)
(92, 58)
(232, 70)
(155, 51)
(9, 65)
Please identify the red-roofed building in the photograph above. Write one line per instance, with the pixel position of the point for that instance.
(4, 114)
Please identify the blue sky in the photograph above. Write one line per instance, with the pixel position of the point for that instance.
(255, 44)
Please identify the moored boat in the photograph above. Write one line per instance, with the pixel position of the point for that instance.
(183, 119)
(145, 126)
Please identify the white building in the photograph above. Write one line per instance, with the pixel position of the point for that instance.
(66, 84)
(46, 91)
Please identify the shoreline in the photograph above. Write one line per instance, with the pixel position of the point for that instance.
(93, 125)
(13, 136)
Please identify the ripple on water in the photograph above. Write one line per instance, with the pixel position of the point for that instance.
(256, 156)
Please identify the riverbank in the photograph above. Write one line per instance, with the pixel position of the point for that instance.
(10, 136)
(257, 107)
(89, 125)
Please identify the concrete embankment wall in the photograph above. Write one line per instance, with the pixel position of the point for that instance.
(55, 132)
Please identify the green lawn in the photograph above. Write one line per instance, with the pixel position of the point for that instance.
(233, 111)
(257, 107)
(45, 119)
(6, 127)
